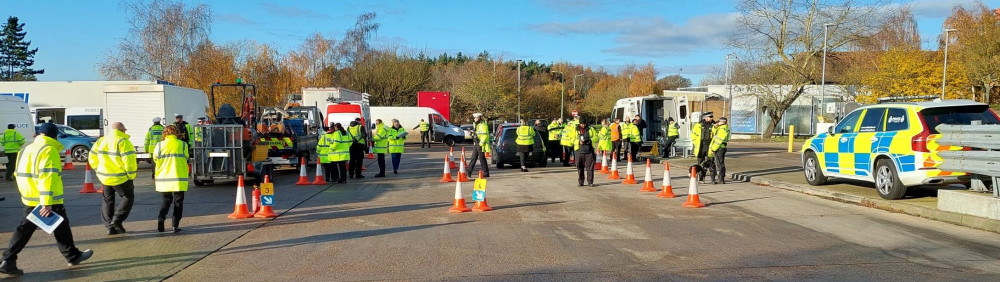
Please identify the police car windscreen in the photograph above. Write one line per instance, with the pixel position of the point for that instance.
(965, 115)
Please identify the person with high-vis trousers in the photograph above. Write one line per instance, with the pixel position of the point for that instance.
(482, 141)
(357, 150)
(525, 143)
(397, 136)
(12, 142)
(341, 152)
(113, 159)
(40, 184)
(717, 149)
(170, 156)
(584, 137)
(381, 142)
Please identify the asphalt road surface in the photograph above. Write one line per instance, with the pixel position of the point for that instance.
(544, 227)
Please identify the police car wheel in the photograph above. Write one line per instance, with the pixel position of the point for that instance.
(887, 182)
(814, 175)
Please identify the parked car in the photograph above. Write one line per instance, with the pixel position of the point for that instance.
(505, 148)
(470, 131)
(892, 145)
(77, 142)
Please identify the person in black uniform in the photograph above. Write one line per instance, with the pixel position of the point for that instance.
(584, 154)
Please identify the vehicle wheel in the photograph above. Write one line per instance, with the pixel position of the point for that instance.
(887, 181)
(814, 174)
(449, 140)
(199, 183)
(80, 153)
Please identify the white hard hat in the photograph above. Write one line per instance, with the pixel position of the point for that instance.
(476, 115)
(156, 119)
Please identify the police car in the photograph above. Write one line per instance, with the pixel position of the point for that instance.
(892, 145)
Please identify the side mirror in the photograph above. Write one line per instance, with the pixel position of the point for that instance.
(829, 130)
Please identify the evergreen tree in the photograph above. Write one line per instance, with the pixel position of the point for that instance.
(16, 58)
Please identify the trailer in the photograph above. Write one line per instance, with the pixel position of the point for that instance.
(226, 149)
(290, 133)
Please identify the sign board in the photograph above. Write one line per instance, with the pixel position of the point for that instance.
(267, 194)
(831, 108)
(479, 190)
(267, 200)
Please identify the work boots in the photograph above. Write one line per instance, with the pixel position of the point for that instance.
(9, 267)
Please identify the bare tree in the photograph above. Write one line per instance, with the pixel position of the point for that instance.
(787, 36)
(672, 82)
(161, 37)
(355, 44)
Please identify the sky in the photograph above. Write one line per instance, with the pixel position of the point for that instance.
(677, 36)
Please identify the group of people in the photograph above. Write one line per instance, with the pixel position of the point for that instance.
(38, 172)
(710, 138)
(342, 151)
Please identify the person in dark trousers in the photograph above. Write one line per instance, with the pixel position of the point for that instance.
(552, 147)
(381, 138)
(616, 140)
(357, 150)
(701, 138)
(584, 146)
(482, 145)
(717, 149)
(641, 124)
(341, 151)
(397, 137)
(40, 183)
(12, 142)
(542, 131)
(113, 159)
(525, 143)
(673, 131)
(425, 136)
(325, 151)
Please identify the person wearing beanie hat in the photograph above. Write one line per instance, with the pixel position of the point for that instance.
(12, 142)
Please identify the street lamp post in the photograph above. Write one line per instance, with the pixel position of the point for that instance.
(574, 86)
(562, 95)
(519, 90)
(944, 75)
(822, 100)
(729, 84)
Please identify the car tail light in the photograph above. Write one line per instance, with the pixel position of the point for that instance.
(919, 143)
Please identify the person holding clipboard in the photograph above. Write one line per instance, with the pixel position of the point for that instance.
(40, 183)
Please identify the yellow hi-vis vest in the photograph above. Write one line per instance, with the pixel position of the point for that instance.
(604, 143)
(355, 132)
(568, 136)
(113, 159)
(395, 142)
(525, 135)
(555, 128)
(634, 135)
(424, 126)
(39, 173)
(325, 147)
(12, 141)
(170, 156)
(153, 136)
(342, 148)
(720, 137)
(483, 135)
(381, 140)
(672, 130)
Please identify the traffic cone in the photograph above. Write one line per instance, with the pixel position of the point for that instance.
(481, 206)
(488, 155)
(451, 158)
(250, 168)
(666, 191)
(629, 175)
(447, 172)
(614, 168)
(88, 181)
(320, 176)
(647, 186)
(459, 205)
(303, 176)
(462, 176)
(599, 166)
(693, 201)
(241, 202)
(606, 169)
(255, 199)
(266, 211)
(68, 162)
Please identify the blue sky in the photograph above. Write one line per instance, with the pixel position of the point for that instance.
(73, 36)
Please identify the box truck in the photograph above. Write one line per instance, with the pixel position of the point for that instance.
(655, 110)
(323, 96)
(92, 106)
(409, 117)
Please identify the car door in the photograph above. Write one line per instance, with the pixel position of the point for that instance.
(840, 143)
(871, 132)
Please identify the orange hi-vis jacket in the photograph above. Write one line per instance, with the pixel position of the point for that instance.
(616, 132)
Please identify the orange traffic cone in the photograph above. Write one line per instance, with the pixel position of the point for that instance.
(488, 155)
(629, 175)
(666, 191)
(614, 168)
(606, 169)
(647, 186)
(462, 176)
(68, 163)
(451, 158)
(88, 181)
(241, 202)
(693, 201)
(303, 176)
(481, 206)
(250, 168)
(266, 211)
(459, 205)
(447, 172)
(320, 176)
(599, 166)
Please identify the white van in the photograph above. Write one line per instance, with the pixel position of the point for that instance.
(409, 117)
(15, 111)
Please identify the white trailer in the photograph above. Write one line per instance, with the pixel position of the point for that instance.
(323, 96)
(90, 106)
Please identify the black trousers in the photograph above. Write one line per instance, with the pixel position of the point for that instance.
(114, 216)
(720, 164)
(616, 149)
(381, 163)
(567, 154)
(480, 156)
(425, 139)
(11, 165)
(669, 147)
(633, 150)
(585, 167)
(330, 172)
(175, 199)
(357, 159)
(341, 171)
(22, 234)
(552, 150)
(396, 157)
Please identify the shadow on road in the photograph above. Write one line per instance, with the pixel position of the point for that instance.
(324, 238)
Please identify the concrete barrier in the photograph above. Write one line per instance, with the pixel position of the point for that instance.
(969, 203)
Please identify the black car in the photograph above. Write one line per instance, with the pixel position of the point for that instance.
(505, 148)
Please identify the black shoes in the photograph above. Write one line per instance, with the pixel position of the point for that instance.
(113, 231)
(524, 169)
(83, 256)
(379, 175)
(9, 267)
(159, 226)
(359, 177)
(591, 185)
(581, 184)
(118, 227)
(395, 172)
(177, 229)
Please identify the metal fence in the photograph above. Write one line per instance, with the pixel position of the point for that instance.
(982, 159)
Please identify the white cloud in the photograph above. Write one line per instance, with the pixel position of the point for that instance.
(653, 37)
